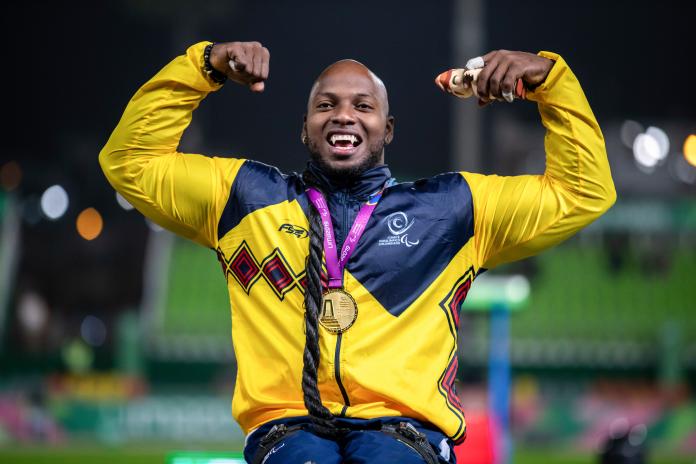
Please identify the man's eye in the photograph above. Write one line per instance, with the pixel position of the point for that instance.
(364, 106)
(324, 105)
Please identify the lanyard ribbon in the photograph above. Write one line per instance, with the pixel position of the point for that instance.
(334, 264)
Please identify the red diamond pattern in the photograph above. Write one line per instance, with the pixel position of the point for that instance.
(275, 270)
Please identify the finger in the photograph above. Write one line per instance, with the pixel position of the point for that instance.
(243, 60)
(258, 63)
(497, 77)
(237, 66)
(233, 65)
(257, 86)
(235, 54)
(507, 86)
(251, 51)
(266, 63)
(482, 82)
(489, 56)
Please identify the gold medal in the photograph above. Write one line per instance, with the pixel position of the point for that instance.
(339, 311)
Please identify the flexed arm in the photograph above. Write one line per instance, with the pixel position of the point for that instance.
(518, 216)
(184, 193)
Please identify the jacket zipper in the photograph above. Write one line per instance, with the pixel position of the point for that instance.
(343, 196)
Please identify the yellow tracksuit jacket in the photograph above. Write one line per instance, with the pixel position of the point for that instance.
(423, 246)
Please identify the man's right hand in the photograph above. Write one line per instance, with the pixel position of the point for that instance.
(250, 59)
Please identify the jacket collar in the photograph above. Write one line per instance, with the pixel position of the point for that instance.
(366, 184)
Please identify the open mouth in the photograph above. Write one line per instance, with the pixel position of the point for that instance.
(343, 141)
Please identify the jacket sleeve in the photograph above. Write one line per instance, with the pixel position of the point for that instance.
(518, 216)
(184, 193)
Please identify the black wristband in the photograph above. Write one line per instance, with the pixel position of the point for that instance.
(215, 75)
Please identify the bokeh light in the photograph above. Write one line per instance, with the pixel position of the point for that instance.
(10, 175)
(89, 224)
(93, 331)
(54, 202)
(630, 129)
(690, 149)
(122, 202)
(517, 288)
(646, 151)
(638, 434)
(662, 140)
(77, 356)
(31, 209)
(680, 169)
(153, 226)
(32, 312)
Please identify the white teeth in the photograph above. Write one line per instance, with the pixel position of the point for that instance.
(347, 137)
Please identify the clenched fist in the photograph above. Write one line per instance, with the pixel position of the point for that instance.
(243, 62)
(502, 68)
(497, 75)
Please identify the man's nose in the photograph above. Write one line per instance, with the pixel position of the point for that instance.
(343, 114)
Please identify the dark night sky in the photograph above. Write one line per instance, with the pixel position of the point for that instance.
(75, 67)
(633, 58)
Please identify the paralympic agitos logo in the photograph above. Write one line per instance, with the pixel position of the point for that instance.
(398, 224)
(297, 231)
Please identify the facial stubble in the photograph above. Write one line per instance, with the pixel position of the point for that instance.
(373, 159)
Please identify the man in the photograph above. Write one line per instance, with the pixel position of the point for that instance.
(355, 363)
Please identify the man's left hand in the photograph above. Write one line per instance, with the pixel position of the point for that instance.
(502, 68)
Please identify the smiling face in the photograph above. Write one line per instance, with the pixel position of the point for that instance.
(347, 122)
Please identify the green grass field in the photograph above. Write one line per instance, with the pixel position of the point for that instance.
(151, 455)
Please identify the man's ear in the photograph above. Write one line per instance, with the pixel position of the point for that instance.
(389, 130)
(303, 134)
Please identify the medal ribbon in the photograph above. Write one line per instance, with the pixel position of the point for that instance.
(334, 264)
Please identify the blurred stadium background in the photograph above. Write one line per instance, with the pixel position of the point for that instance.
(114, 334)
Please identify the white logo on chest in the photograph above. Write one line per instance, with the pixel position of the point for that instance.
(398, 224)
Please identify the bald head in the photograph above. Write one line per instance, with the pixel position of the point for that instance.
(351, 71)
(347, 123)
